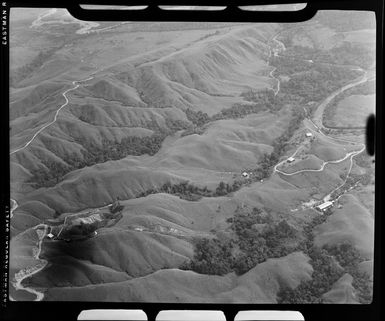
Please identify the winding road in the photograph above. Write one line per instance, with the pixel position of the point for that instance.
(350, 154)
(318, 123)
(28, 272)
(56, 114)
(42, 229)
(276, 52)
(321, 108)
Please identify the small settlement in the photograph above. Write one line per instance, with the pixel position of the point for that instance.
(83, 225)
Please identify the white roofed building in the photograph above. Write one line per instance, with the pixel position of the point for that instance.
(324, 206)
(245, 175)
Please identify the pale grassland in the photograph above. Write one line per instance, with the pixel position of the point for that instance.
(353, 110)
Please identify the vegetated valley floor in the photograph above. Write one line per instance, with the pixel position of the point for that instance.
(191, 126)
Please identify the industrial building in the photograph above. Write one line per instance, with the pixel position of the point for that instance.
(324, 206)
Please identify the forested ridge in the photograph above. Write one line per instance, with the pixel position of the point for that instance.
(308, 82)
(246, 245)
(255, 236)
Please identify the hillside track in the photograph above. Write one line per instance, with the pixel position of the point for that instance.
(24, 274)
(64, 94)
(30, 271)
(42, 229)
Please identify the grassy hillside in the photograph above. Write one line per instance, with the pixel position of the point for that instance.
(351, 223)
(226, 146)
(184, 124)
(208, 72)
(172, 285)
(114, 254)
(353, 111)
(342, 292)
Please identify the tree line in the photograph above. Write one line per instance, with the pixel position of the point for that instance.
(53, 172)
(279, 147)
(366, 88)
(92, 154)
(190, 192)
(329, 264)
(348, 53)
(247, 247)
(255, 237)
(319, 82)
(258, 100)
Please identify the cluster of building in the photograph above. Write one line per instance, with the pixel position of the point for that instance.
(75, 225)
(292, 159)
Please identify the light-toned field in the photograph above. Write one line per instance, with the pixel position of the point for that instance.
(317, 37)
(353, 111)
(366, 195)
(367, 36)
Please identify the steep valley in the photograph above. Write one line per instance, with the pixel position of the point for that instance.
(189, 126)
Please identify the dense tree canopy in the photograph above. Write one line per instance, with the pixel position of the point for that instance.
(248, 247)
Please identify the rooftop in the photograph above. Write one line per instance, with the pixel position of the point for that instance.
(325, 205)
(245, 174)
